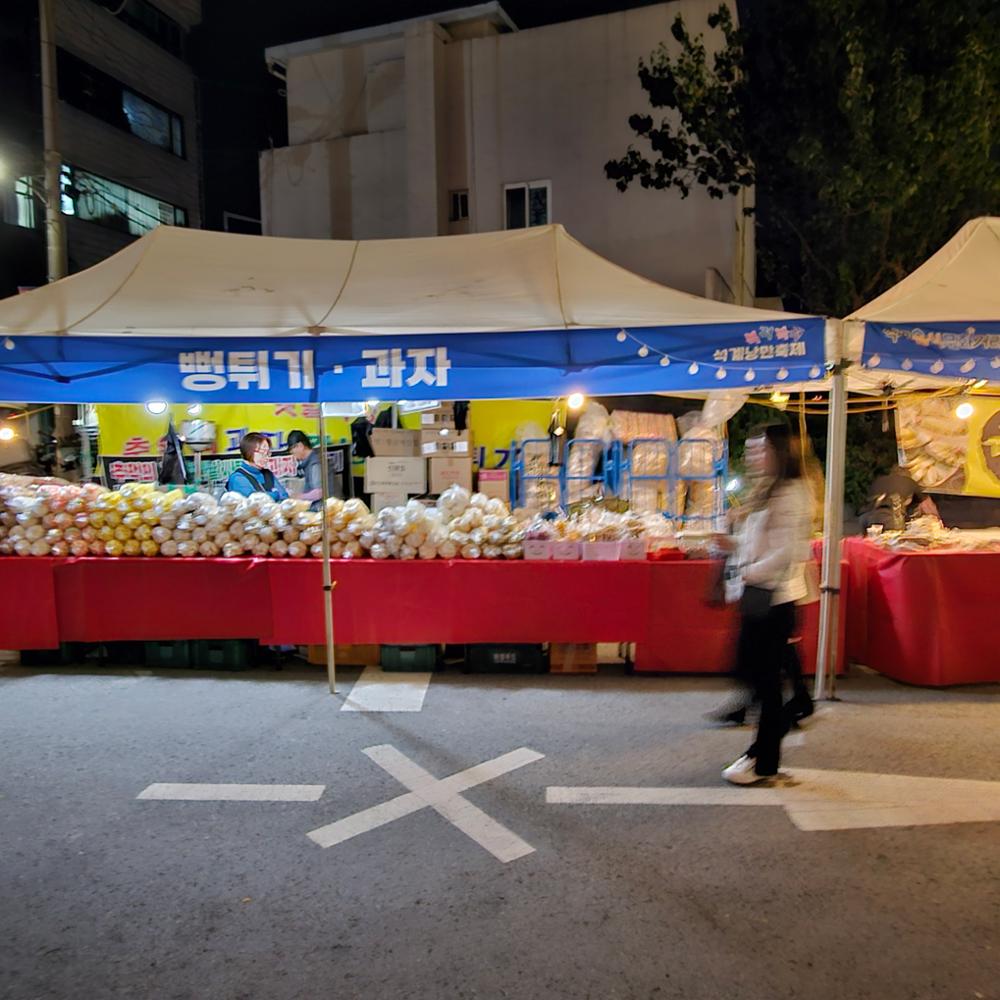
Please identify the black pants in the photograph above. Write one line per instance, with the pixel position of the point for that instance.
(761, 657)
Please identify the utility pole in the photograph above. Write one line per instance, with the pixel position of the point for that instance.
(55, 238)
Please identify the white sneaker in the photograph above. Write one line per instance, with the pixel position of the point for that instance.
(742, 772)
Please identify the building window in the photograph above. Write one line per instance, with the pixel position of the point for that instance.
(459, 206)
(150, 21)
(24, 196)
(104, 97)
(527, 204)
(108, 203)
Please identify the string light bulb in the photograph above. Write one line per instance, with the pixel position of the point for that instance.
(720, 374)
(967, 367)
(693, 368)
(643, 351)
(964, 410)
(156, 407)
(575, 400)
(8, 344)
(664, 361)
(6, 433)
(621, 336)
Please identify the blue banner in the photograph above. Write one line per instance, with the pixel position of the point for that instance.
(733, 356)
(945, 350)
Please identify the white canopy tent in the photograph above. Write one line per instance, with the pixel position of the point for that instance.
(193, 283)
(959, 286)
(111, 329)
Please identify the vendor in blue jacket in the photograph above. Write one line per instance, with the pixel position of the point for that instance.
(253, 475)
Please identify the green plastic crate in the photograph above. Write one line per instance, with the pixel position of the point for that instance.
(125, 654)
(168, 653)
(222, 654)
(66, 654)
(413, 658)
(505, 658)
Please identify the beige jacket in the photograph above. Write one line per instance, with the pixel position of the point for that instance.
(775, 543)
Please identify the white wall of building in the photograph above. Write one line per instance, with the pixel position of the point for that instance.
(382, 129)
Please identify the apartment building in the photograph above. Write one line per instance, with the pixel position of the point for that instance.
(127, 124)
(461, 123)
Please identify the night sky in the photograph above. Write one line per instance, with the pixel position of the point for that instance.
(242, 111)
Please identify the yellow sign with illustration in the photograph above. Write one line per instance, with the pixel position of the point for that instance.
(951, 444)
(132, 431)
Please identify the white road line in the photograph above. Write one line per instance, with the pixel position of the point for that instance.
(643, 796)
(441, 795)
(232, 793)
(824, 800)
(378, 691)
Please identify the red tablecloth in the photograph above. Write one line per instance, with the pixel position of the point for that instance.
(460, 601)
(924, 617)
(686, 635)
(658, 605)
(28, 604)
(106, 599)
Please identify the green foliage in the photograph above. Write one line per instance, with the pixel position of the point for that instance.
(867, 128)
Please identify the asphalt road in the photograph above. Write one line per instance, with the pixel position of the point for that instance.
(103, 894)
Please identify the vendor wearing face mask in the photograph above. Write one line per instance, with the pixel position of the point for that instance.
(253, 475)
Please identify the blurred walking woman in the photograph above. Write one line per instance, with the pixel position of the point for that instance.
(772, 554)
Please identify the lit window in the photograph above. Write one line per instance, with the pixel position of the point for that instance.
(108, 203)
(527, 204)
(24, 188)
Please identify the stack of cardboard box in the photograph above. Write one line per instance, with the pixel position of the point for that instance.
(415, 462)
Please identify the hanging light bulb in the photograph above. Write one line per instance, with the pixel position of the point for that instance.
(693, 368)
(8, 343)
(937, 367)
(874, 361)
(156, 407)
(575, 400)
(750, 375)
(964, 410)
(906, 365)
(6, 433)
(782, 374)
(194, 410)
(621, 336)
(664, 361)
(720, 374)
(643, 351)
(815, 371)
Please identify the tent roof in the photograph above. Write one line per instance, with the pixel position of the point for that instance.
(960, 282)
(182, 282)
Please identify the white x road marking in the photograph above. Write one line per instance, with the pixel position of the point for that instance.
(443, 795)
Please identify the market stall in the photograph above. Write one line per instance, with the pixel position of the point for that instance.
(920, 606)
(185, 317)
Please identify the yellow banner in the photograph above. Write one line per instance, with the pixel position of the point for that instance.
(131, 430)
(952, 443)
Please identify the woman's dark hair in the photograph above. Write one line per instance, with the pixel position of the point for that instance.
(786, 450)
(249, 443)
(297, 437)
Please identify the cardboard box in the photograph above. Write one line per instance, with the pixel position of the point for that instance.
(601, 551)
(446, 470)
(565, 551)
(445, 441)
(364, 655)
(573, 658)
(441, 416)
(537, 549)
(495, 483)
(395, 443)
(395, 475)
(381, 500)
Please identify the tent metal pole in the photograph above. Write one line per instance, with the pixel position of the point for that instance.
(331, 666)
(836, 444)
